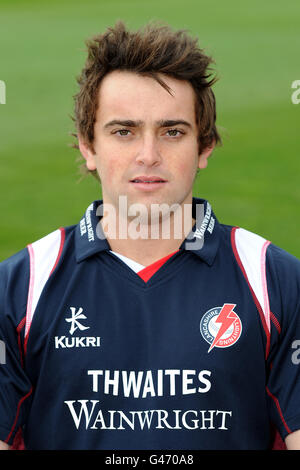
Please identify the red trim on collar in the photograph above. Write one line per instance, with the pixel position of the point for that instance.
(148, 271)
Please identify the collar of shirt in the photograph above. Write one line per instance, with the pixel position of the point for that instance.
(203, 239)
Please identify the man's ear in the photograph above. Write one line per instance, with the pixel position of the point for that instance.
(87, 154)
(203, 156)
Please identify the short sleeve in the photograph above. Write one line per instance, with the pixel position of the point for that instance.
(283, 383)
(15, 387)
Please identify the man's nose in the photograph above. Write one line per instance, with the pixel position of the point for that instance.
(148, 153)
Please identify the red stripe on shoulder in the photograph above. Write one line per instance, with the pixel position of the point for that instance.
(19, 329)
(275, 322)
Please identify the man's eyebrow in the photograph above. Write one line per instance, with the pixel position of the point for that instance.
(173, 122)
(139, 123)
(123, 122)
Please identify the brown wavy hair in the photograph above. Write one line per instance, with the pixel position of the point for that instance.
(152, 50)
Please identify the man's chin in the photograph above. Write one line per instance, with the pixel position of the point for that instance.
(145, 206)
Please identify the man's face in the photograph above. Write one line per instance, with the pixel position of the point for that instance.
(145, 140)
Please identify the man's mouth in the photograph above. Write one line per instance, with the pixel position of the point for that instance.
(148, 179)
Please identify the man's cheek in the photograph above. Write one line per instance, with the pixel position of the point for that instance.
(107, 169)
(186, 172)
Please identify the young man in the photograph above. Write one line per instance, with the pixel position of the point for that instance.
(149, 325)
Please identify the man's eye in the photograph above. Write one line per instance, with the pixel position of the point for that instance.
(174, 132)
(122, 132)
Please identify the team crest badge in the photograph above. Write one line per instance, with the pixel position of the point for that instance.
(221, 327)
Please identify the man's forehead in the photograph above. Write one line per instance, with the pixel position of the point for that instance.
(129, 94)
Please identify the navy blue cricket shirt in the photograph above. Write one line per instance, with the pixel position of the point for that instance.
(201, 356)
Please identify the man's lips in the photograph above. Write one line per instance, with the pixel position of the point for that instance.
(148, 183)
(148, 179)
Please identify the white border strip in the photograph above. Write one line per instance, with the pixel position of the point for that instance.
(136, 267)
(252, 252)
(43, 255)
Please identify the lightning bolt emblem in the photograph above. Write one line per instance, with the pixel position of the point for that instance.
(226, 317)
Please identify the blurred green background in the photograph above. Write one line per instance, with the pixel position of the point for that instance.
(252, 180)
